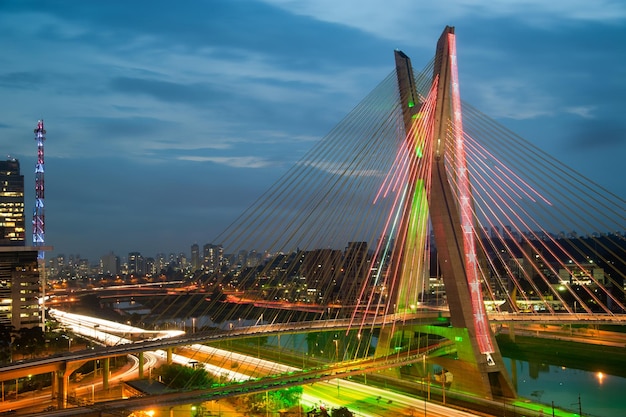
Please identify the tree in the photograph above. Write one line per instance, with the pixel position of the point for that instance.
(341, 412)
(30, 340)
(178, 376)
(6, 336)
(273, 400)
(288, 397)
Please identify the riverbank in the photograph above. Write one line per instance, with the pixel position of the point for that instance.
(585, 356)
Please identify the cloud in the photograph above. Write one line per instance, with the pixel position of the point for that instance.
(514, 99)
(599, 134)
(402, 16)
(153, 111)
(333, 169)
(162, 90)
(21, 79)
(585, 112)
(235, 162)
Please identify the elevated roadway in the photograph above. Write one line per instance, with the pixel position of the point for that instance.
(292, 377)
(161, 340)
(64, 364)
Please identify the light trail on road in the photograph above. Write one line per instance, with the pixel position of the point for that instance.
(364, 400)
(107, 332)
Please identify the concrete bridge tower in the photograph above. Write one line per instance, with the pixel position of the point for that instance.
(478, 366)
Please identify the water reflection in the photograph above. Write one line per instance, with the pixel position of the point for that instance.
(594, 393)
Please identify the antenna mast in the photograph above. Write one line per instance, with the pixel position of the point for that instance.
(39, 225)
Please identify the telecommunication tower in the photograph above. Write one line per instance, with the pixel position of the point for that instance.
(39, 224)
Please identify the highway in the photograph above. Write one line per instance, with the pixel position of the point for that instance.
(353, 396)
(368, 401)
(37, 401)
(249, 370)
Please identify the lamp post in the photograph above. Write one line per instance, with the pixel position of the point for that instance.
(336, 341)
(69, 341)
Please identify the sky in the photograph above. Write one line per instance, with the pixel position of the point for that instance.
(166, 120)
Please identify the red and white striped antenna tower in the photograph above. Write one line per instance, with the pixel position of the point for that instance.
(39, 224)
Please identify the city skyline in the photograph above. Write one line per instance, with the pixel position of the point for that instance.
(164, 125)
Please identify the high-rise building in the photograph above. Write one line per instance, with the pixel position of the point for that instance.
(12, 226)
(151, 267)
(20, 287)
(136, 264)
(110, 264)
(212, 257)
(322, 269)
(195, 257)
(20, 281)
(160, 262)
(355, 272)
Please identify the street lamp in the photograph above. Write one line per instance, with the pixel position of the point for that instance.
(336, 341)
(69, 341)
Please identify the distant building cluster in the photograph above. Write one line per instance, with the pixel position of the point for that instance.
(337, 276)
(318, 275)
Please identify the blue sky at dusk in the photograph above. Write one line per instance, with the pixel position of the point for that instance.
(165, 120)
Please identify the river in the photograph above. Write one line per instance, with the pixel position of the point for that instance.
(595, 393)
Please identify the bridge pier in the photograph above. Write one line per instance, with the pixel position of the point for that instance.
(468, 373)
(61, 382)
(168, 352)
(387, 340)
(105, 373)
(53, 387)
(141, 362)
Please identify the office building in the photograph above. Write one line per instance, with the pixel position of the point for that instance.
(12, 226)
(195, 257)
(110, 264)
(20, 287)
(136, 264)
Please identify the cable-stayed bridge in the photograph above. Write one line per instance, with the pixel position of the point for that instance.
(417, 201)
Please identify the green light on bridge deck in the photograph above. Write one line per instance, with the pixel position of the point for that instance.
(411, 104)
(418, 151)
(458, 339)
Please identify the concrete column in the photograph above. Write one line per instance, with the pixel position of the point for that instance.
(140, 356)
(169, 356)
(105, 373)
(55, 385)
(63, 382)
